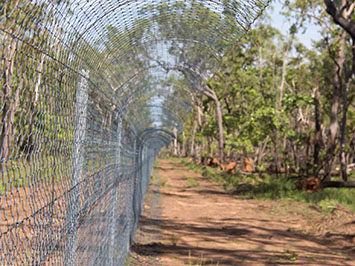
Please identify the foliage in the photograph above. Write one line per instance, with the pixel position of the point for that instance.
(272, 187)
(278, 98)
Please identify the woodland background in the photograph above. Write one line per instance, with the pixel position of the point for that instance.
(278, 106)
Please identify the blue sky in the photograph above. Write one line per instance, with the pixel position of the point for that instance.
(280, 22)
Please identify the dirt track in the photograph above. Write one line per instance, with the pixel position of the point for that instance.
(201, 224)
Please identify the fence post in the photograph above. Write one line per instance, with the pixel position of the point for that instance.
(114, 199)
(132, 195)
(74, 204)
(136, 188)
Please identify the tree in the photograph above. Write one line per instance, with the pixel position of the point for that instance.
(342, 14)
(335, 46)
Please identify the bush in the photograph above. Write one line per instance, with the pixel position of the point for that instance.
(265, 186)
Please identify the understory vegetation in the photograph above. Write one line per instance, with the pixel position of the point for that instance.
(272, 187)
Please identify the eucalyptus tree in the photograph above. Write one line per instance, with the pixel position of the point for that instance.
(338, 45)
(343, 14)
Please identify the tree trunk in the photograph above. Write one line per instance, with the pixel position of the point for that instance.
(348, 78)
(199, 112)
(341, 17)
(284, 72)
(262, 153)
(275, 151)
(192, 148)
(210, 93)
(342, 133)
(175, 143)
(220, 130)
(278, 103)
(334, 125)
(317, 133)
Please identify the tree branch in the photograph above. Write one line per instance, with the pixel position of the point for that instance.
(339, 19)
(338, 184)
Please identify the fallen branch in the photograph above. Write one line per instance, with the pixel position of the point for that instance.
(339, 184)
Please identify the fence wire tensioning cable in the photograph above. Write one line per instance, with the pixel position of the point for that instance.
(90, 91)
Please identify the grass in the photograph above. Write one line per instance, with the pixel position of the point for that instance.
(174, 239)
(272, 187)
(292, 255)
(192, 182)
(47, 169)
(22, 173)
(287, 255)
(164, 183)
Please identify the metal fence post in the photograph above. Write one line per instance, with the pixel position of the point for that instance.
(114, 200)
(132, 193)
(74, 205)
(136, 188)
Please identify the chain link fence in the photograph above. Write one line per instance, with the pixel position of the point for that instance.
(90, 91)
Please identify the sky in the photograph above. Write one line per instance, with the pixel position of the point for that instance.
(280, 22)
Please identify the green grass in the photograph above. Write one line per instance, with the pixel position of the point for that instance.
(192, 183)
(174, 239)
(21, 173)
(272, 187)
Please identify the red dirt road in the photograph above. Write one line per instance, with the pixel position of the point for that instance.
(201, 224)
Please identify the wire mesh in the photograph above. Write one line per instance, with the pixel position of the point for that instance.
(90, 91)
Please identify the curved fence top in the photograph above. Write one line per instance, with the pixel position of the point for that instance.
(91, 90)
